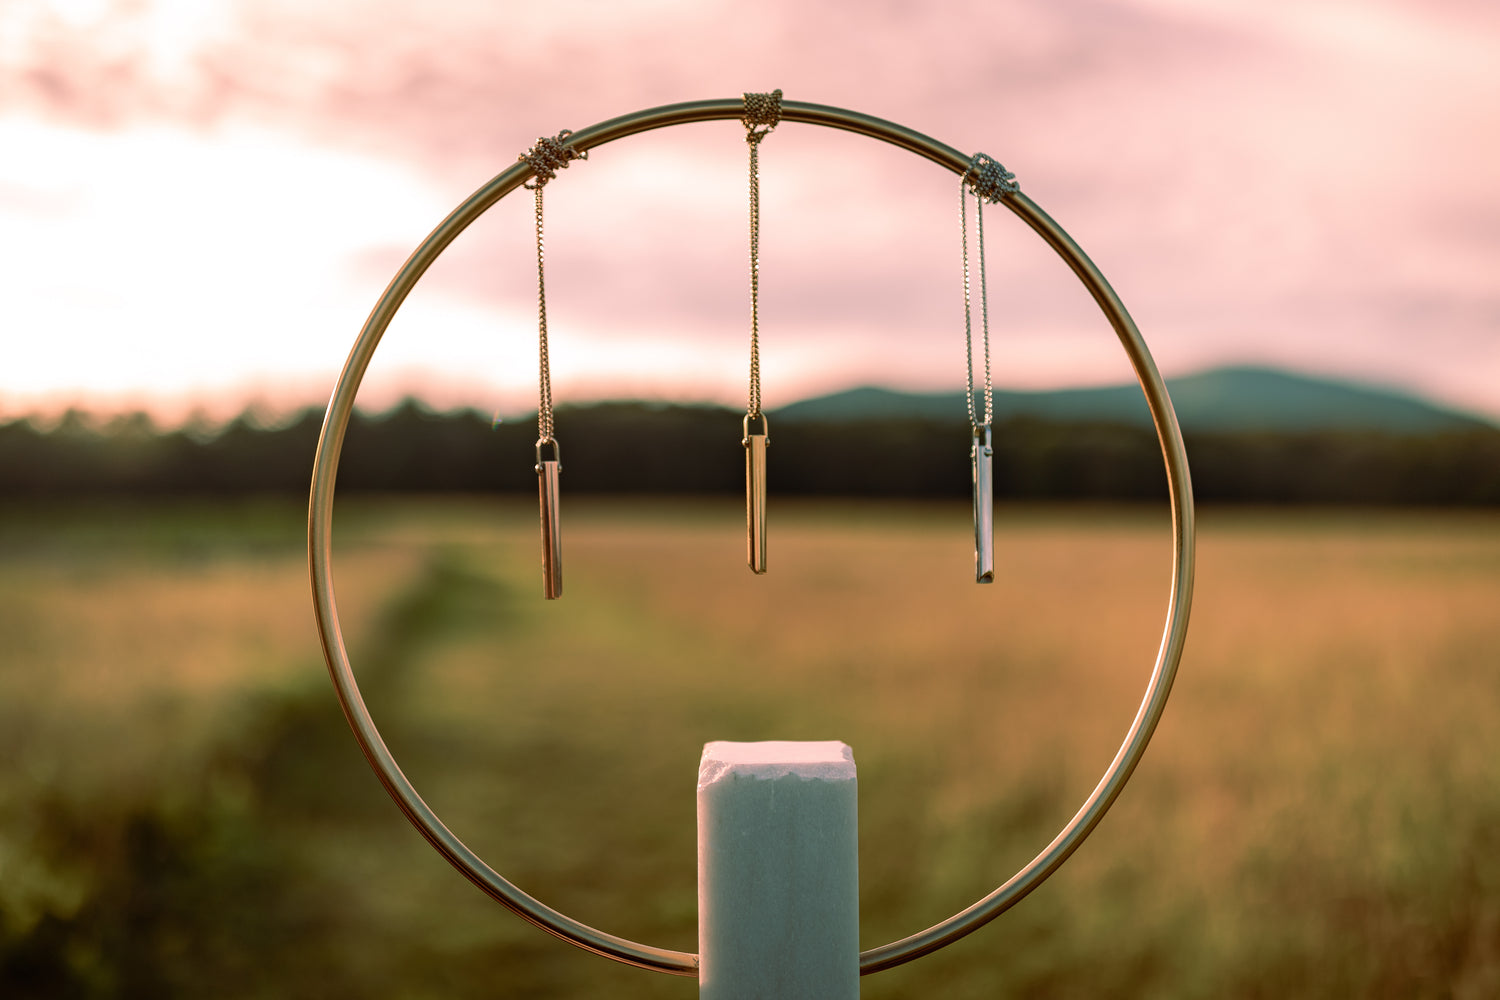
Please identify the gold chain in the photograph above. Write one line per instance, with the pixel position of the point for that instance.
(544, 407)
(762, 112)
(546, 158)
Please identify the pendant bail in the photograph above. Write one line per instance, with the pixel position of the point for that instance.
(556, 451)
(765, 427)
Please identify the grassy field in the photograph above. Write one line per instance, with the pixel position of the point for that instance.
(184, 813)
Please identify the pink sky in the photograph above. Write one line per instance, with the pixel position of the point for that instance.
(200, 202)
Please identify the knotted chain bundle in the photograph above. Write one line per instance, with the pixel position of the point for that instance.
(762, 111)
(549, 155)
(988, 179)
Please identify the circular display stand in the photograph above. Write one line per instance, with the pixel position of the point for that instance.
(320, 516)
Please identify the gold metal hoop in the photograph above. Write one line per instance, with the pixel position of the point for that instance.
(320, 522)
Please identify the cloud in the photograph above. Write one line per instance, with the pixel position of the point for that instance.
(1308, 184)
(477, 79)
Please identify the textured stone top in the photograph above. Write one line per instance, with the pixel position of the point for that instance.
(815, 760)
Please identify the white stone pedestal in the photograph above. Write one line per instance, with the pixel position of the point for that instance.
(778, 872)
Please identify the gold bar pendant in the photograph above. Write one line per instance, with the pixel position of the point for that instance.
(982, 459)
(548, 473)
(755, 495)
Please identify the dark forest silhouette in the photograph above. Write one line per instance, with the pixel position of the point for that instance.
(653, 448)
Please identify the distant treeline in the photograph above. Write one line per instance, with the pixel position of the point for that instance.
(649, 448)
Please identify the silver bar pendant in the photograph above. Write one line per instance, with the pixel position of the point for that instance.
(755, 494)
(982, 464)
(547, 473)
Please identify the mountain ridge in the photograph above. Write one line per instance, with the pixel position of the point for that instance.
(1231, 398)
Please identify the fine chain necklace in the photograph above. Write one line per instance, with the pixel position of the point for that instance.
(547, 157)
(988, 181)
(762, 112)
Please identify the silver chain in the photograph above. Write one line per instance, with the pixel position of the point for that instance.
(989, 181)
(989, 393)
(546, 158)
(762, 113)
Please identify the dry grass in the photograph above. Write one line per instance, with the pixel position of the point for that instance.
(1317, 815)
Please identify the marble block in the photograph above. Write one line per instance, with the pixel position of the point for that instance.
(778, 871)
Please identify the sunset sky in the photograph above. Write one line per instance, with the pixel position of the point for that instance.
(201, 201)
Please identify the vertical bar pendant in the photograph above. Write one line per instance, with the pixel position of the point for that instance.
(982, 458)
(755, 494)
(547, 474)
